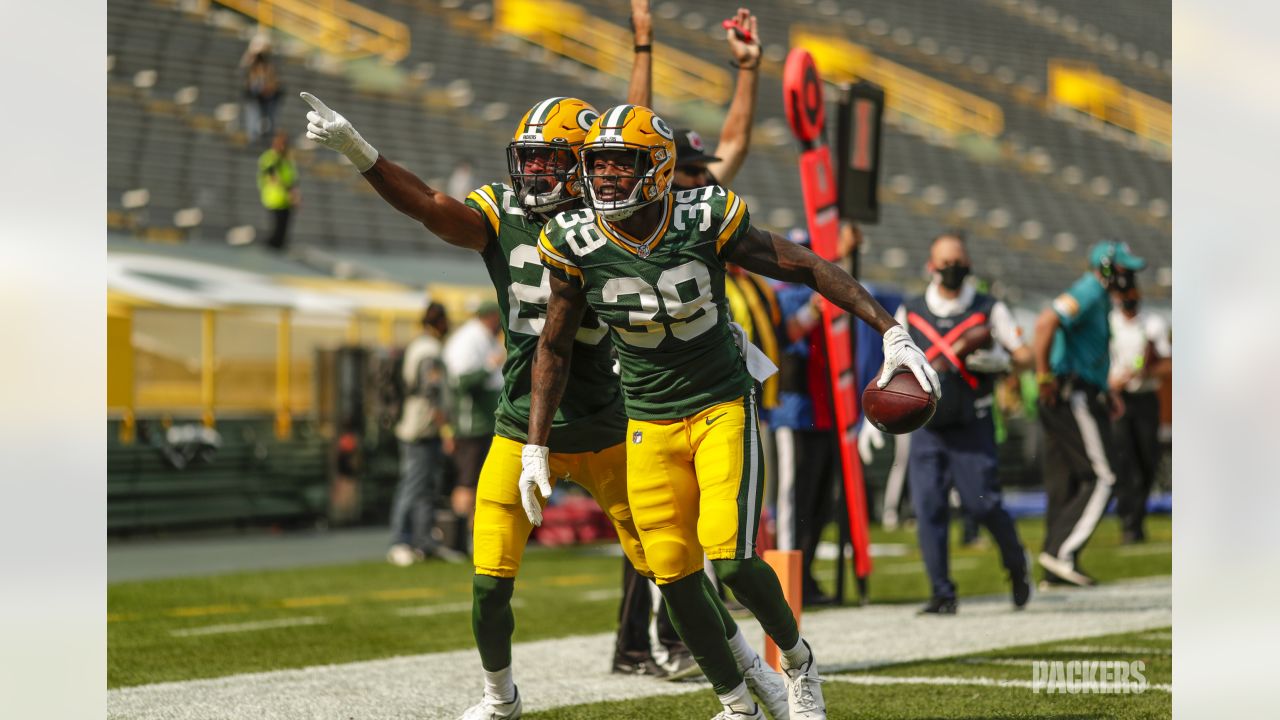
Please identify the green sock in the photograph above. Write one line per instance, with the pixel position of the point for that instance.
(699, 625)
(492, 620)
(756, 586)
(730, 625)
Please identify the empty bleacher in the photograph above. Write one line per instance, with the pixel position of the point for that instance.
(1033, 200)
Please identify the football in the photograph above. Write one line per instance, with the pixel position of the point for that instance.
(899, 407)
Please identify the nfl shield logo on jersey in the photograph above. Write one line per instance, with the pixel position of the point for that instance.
(636, 437)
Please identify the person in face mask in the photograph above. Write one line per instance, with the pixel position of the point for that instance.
(1141, 358)
(1073, 362)
(957, 448)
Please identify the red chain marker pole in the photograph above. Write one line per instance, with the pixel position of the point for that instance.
(806, 113)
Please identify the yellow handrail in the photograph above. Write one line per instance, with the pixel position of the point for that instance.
(337, 26)
(906, 91)
(1082, 86)
(569, 30)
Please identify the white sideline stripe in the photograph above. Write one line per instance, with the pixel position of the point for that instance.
(1011, 662)
(827, 550)
(1114, 649)
(575, 670)
(598, 595)
(248, 626)
(976, 681)
(905, 568)
(445, 608)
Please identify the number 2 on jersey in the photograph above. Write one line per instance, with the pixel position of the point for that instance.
(527, 304)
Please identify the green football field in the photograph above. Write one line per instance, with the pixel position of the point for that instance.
(207, 627)
(965, 687)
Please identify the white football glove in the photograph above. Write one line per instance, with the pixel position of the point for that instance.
(900, 351)
(534, 476)
(870, 439)
(328, 128)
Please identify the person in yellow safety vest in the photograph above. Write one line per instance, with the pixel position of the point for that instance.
(278, 185)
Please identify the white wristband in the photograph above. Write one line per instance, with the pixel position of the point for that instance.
(361, 154)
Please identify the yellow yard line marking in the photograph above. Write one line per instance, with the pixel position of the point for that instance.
(405, 594)
(573, 580)
(316, 601)
(206, 610)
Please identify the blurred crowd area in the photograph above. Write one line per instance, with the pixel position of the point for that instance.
(262, 294)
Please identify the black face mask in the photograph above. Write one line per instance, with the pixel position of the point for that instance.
(1129, 305)
(953, 276)
(1122, 280)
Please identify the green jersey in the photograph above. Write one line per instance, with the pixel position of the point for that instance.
(662, 298)
(591, 416)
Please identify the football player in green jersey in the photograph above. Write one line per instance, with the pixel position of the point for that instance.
(650, 265)
(502, 223)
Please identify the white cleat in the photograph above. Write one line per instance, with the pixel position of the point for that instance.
(769, 689)
(490, 709)
(728, 714)
(804, 691)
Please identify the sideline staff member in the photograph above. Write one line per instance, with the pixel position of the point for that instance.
(1073, 360)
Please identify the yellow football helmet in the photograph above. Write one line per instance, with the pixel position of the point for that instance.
(637, 141)
(543, 159)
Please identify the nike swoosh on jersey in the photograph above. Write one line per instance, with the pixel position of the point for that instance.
(713, 419)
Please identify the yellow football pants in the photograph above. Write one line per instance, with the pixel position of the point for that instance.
(501, 528)
(695, 487)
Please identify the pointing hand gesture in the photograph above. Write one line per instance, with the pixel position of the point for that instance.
(326, 127)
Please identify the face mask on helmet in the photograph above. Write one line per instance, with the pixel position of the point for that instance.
(543, 175)
(628, 160)
(542, 157)
(618, 181)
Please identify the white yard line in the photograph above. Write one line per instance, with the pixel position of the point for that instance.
(575, 670)
(1113, 650)
(977, 681)
(248, 626)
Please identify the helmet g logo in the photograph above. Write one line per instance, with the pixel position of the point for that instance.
(663, 129)
(586, 117)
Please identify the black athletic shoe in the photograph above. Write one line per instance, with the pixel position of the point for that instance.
(637, 666)
(939, 606)
(1021, 591)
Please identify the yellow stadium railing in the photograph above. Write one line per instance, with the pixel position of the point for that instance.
(919, 96)
(571, 31)
(241, 359)
(1081, 86)
(338, 27)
